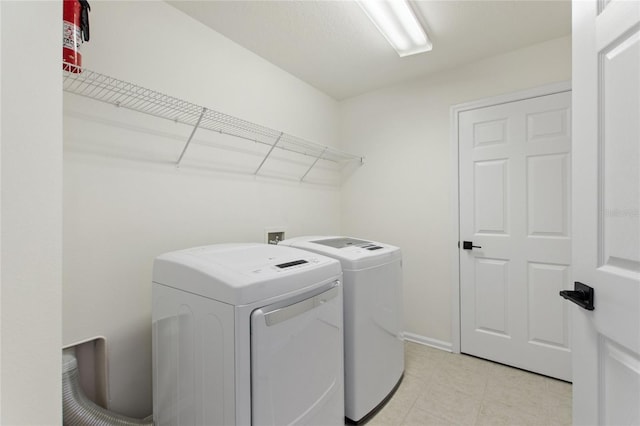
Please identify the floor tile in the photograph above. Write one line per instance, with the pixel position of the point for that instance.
(450, 403)
(418, 417)
(470, 382)
(498, 414)
(441, 388)
(394, 412)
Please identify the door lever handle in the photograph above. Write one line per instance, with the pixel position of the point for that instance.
(468, 245)
(582, 295)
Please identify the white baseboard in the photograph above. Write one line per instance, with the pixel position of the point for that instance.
(428, 341)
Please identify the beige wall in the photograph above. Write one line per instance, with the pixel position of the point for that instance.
(125, 202)
(402, 194)
(31, 213)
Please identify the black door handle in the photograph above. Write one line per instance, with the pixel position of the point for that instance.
(468, 245)
(582, 295)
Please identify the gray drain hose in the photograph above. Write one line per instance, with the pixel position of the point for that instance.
(79, 410)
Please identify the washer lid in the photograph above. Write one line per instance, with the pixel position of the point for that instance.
(239, 274)
(353, 253)
(341, 242)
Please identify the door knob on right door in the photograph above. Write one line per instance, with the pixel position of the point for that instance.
(582, 296)
(468, 245)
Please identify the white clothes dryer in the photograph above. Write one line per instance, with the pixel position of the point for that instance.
(247, 334)
(373, 318)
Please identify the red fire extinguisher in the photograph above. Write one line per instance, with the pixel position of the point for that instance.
(75, 31)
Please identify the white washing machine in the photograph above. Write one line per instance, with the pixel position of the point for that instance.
(373, 318)
(247, 334)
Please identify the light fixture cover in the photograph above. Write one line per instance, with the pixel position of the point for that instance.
(397, 22)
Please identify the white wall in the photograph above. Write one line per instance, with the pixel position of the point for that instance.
(402, 194)
(31, 212)
(125, 202)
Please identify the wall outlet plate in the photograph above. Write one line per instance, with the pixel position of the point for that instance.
(274, 235)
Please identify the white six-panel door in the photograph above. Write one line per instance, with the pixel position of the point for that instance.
(515, 168)
(606, 216)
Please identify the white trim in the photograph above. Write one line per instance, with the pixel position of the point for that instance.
(427, 341)
(455, 111)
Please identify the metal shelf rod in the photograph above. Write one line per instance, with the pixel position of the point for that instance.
(313, 164)
(193, 132)
(268, 153)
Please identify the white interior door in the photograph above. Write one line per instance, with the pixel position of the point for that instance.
(515, 207)
(606, 211)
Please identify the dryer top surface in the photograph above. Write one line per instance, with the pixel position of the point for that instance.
(243, 273)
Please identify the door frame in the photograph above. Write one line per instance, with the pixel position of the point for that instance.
(455, 111)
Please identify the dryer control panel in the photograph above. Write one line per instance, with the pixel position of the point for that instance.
(293, 265)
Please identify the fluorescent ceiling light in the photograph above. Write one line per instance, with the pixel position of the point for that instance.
(396, 21)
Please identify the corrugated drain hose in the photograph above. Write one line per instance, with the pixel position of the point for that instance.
(79, 410)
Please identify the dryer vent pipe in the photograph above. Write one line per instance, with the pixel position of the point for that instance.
(79, 410)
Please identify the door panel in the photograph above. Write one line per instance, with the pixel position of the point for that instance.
(619, 163)
(548, 190)
(606, 211)
(545, 315)
(620, 387)
(548, 126)
(492, 296)
(490, 197)
(514, 204)
(490, 132)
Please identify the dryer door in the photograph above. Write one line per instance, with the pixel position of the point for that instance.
(297, 361)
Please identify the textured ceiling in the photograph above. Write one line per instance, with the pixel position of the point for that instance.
(334, 47)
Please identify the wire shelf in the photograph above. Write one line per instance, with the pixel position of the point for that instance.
(100, 87)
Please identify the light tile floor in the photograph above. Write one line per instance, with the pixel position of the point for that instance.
(440, 388)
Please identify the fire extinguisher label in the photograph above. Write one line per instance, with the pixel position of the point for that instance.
(71, 36)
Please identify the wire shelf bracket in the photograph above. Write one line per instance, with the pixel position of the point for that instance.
(103, 88)
(313, 164)
(193, 132)
(268, 153)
